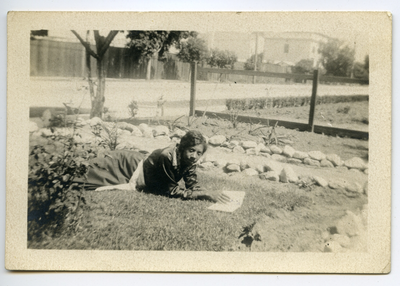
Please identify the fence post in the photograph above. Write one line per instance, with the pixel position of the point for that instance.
(193, 76)
(313, 100)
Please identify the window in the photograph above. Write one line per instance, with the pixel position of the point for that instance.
(286, 49)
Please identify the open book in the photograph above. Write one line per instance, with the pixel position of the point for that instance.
(234, 204)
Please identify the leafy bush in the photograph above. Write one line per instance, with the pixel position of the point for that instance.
(344, 109)
(107, 139)
(55, 200)
(133, 108)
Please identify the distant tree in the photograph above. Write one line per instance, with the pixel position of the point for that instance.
(303, 66)
(40, 33)
(360, 71)
(366, 63)
(337, 58)
(192, 50)
(249, 64)
(102, 45)
(222, 59)
(143, 45)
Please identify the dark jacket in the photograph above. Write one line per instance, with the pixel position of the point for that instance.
(163, 170)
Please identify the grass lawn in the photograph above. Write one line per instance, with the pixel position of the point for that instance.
(115, 220)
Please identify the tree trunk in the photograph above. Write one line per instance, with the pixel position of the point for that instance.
(148, 72)
(98, 102)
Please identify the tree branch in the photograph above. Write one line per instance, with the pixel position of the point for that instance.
(85, 44)
(107, 42)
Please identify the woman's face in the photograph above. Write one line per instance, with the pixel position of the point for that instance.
(192, 154)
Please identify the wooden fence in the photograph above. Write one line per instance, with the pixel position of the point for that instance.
(50, 58)
(294, 125)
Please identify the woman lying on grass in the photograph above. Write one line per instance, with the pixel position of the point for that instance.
(158, 173)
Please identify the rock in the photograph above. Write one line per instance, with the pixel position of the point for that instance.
(244, 165)
(136, 131)
(355, 171)
(273, 166)
(270, 176)
(47, 117)
(343, 240)
(288, 151)
(300, 155)
(334, 159)
(143, 126)
(208, 157)
(251, 151)
(125, 126)
(336, 185)
(260, 169)
(233, 162)
(206, 138)
(279, 158)
(342, 168)
(317, 155)
(45, 132)
(80, 122)
(354, 187)
(238, 149)
(147, 132)
(224, 149)
(311, 162)
(355, 163)
(250, 172)
(263, 148)
(366, 171)
(230, 168)
(232, 144)
(326, 164)
(349, 225)
(275, 149)
(95, 121)
(176, 139)
(33, 126)
(124, 132)
(220, 163)
(287, 141)
(287, 175)
(126, 145)
(325, 235)
(366, 188)
(266, 155)
(160, 130)
(217, 140)
(320, 181)
(294, 161)
(206, 165)
(333, 246)
(249, 144)
(178, 133)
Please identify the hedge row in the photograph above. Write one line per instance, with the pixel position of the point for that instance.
(289, 101)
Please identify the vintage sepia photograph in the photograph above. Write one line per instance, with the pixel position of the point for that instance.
(200, 140)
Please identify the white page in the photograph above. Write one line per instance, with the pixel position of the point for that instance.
(235, 202)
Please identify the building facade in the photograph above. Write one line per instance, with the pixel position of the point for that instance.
(289, 48)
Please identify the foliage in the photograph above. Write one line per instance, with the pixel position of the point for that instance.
(54, 200)
(245, 104)
(249, 64)
(109, 138)
(337, 58)
(366, 63)
(144, 44)
(133, 108)
(192, 50)
(222, 59)
(304, 66)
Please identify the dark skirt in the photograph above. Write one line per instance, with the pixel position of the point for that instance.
(115, 168)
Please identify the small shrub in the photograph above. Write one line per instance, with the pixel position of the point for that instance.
(54, 199)
(107, 139)
(133, 108)
(344, 110)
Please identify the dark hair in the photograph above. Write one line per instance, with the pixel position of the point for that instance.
(192, 138)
